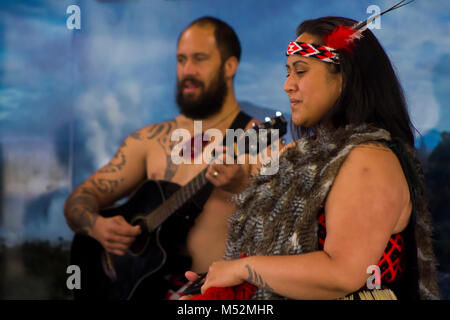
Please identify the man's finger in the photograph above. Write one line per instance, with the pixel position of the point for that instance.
(118, 252)
(117, 246)
(116, 238)
(127, 230)
(120, 220)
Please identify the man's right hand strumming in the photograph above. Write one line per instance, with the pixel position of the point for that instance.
(115, 234)
(107, 185)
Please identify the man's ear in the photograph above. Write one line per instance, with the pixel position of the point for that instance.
(231, 66)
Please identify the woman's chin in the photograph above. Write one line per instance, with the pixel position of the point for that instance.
(298, 121)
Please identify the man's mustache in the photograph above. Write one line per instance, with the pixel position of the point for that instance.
(194, 81)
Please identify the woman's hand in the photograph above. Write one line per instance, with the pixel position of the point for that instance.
(191, 276)
(224, 274)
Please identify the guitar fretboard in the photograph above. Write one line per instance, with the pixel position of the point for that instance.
(185, 193)
(176, 200)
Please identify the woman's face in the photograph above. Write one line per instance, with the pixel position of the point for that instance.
(311, 87)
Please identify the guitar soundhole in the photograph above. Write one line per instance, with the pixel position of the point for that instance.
(139, 245)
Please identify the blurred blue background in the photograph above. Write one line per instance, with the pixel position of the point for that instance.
(68, 98)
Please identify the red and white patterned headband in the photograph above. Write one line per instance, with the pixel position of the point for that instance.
(305, 49)
(341, 38)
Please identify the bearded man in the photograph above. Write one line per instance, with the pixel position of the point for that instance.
(208, 54)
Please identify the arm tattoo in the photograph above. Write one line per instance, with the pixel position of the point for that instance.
(83, 200)
(81, 211)
(136, 135)
(113, 166)
(117, 162)
(105, 185)
(256, 279)
(166, 145)
(88, 191)
(156, 130)
(171, 168)
(85, 221)
(159, 132)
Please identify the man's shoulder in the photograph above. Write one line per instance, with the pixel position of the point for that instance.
(154, 130)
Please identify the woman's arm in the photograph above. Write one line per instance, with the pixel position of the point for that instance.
(363, 208)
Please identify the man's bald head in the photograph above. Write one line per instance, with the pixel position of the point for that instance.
(226, 39)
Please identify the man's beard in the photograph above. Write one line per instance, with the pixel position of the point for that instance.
(208, 103)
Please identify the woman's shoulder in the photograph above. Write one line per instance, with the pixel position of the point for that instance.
(375, 167)
(372, 174)
(375, 157)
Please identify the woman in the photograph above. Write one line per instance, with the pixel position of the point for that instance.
(348, 192)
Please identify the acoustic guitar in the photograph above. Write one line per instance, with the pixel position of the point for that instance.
(165, 211)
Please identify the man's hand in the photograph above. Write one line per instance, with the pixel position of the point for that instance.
(115, 234)
(232, 177)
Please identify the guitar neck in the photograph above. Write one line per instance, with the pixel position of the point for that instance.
(177, 200)
(185, 193)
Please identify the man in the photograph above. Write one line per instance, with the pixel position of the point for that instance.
(208, 54)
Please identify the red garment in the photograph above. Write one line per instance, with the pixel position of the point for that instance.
(391, 262)
(391, 267)
(243, 291)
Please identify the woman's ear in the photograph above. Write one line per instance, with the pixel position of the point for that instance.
(231, 66)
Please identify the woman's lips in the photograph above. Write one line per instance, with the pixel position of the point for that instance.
(294, 102)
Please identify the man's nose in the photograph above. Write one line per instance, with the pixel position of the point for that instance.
(189, 68)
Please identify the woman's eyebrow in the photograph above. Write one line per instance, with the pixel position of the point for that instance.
(299, 61)
(295, 63)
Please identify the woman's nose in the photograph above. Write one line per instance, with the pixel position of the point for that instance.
(290, 84)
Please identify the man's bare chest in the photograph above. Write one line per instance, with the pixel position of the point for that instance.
(161, 165)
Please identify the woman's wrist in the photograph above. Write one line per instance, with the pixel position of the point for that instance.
(244, 267)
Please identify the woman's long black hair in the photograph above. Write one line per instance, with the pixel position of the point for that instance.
(371, 92)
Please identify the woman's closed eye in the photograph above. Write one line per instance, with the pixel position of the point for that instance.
(299, 73)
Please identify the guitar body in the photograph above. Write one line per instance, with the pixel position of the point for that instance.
(165, 211)
(136, 276)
